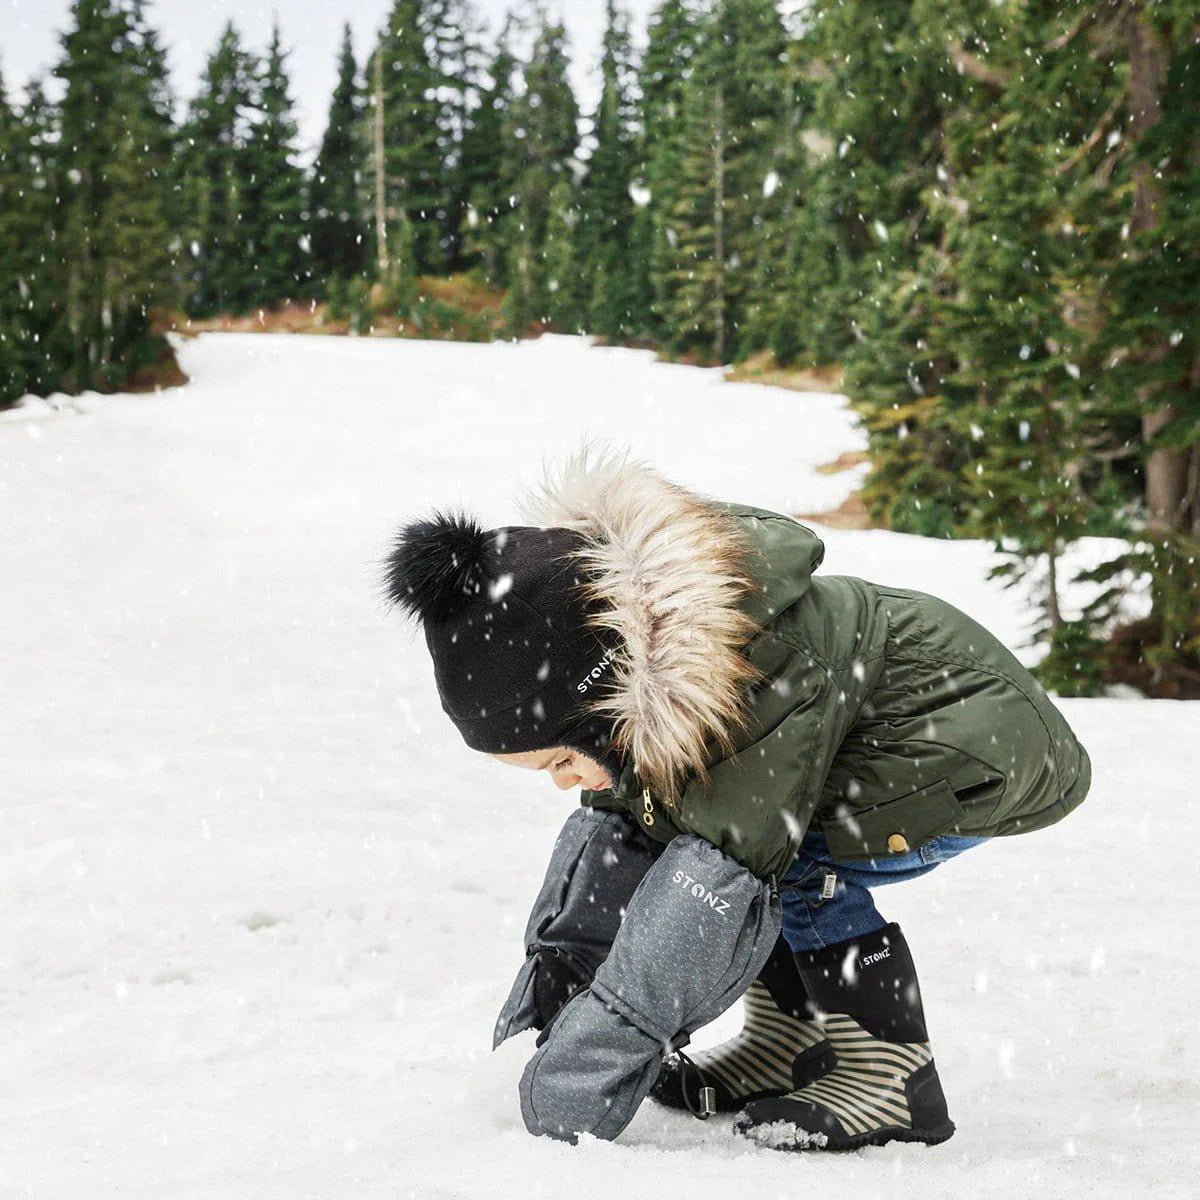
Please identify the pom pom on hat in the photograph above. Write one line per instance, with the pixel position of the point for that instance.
(435, 568)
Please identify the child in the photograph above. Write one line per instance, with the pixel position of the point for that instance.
(758, 746)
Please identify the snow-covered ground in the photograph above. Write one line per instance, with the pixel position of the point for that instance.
(259, 906)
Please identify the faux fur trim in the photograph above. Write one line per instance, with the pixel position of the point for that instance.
(669, 570)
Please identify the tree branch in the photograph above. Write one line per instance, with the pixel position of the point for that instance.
(1096, 134)
(1078, 25)
(968, 64)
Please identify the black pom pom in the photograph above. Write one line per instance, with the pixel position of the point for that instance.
(435, 567)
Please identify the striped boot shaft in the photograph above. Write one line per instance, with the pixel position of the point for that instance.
(762, 1060)
(866, 1090)
(884, 1085)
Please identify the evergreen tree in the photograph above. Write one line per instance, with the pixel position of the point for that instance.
(413, 129)
(565, 307)
(542, 131)
(1149, 340)
(339, 229)
(670, 47)
(274, 214)
(603, 240)
(17, 237)
(488, 173)
(734, 105)
(114, 192)
(38, 218)
(542, 137)
(769, 321)
(454, 55)
(217, 183)
(882, 79)
(884, 292)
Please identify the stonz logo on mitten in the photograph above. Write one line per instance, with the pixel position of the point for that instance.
(702, 893)
(868, 959)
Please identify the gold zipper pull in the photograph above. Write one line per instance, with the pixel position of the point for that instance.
(647, 807)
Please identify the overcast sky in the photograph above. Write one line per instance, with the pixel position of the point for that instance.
(30, 32)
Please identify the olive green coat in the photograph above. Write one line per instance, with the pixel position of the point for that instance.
(885, 717)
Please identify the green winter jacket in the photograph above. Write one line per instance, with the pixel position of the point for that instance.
(882, 717)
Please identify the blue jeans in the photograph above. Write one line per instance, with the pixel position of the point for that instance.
(826, 902)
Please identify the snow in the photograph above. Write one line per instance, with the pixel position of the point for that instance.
(260, 906)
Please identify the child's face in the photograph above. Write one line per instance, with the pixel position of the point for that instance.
(568, 768)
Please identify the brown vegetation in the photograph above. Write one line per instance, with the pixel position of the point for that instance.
(1126, 663)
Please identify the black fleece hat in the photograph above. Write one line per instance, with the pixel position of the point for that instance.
(506, 619)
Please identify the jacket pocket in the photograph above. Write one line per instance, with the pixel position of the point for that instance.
(893, 827)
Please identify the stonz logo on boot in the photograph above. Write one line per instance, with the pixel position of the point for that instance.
(702, 893)
(868, 959)
(596, 672)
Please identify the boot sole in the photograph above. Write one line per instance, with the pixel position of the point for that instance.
(873, 1137)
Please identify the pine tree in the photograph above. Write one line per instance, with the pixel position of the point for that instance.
(488, 173)
(42, 283)
(1149, 341)
(115, 239)
(882, 291)
(734, 106)
(216, 181)
(695, 279)
(881, 79)
(413, 129)
(603, 237)
(454, 55)
(769, 322)
(563, 281)
(17, 237)
(671, 43)
(542, 137)
(542, 132)
(274, 222)
(339, 229)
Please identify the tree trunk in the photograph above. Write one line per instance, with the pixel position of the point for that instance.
(1052, 605)
(719, 223)
(1166, 470)
(380, 216)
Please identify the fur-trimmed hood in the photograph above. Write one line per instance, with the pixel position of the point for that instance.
(670, 572)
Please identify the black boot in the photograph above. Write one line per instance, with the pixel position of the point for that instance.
(885, 1086)
(779, 1048)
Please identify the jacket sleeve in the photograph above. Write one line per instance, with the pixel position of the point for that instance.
(598, 860)
(697, 932)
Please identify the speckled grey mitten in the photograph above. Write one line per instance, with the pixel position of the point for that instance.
(598, 860)
(698, 930)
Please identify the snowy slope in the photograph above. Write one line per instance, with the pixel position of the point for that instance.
(260, 906)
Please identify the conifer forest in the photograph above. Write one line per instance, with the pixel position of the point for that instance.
(985, 214)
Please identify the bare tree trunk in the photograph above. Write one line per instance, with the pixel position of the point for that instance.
(1166, 470)
(380, 212)
(1052, 586)
(1191, 515)
(719, 223)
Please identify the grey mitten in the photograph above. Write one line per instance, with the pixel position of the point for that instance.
(598, 860)
(697, 932)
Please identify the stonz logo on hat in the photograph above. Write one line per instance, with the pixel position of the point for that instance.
(596, 671)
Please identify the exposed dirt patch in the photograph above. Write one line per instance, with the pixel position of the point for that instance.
(762, 368)
(844, 461)
(850, 514)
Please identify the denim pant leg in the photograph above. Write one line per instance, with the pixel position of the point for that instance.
(826, 902)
